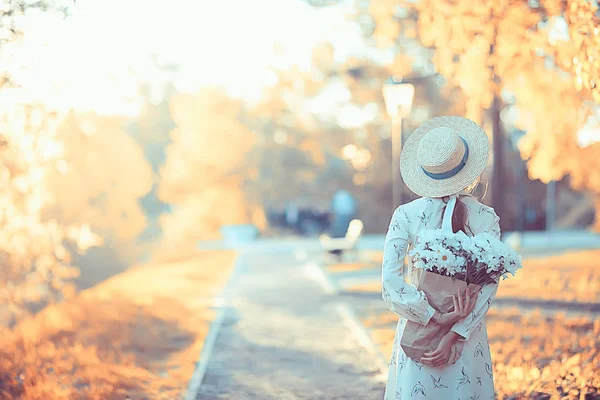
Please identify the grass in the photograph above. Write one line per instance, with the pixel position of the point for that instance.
(573, 276)
(570, 277)
(536, 356)
(134, 336)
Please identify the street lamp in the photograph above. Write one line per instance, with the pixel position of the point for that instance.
(398, 97)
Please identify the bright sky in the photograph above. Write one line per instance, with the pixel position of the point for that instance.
(97, 58)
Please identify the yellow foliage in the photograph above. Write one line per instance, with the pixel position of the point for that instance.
(401, 66)
(35, 263)
(583, 57)
(484, 47)
(550, 112)
(382, 8)
(554, 7)
(387, 28)
(64, 177)
(204, 171)
(208, 143)
(105, 174)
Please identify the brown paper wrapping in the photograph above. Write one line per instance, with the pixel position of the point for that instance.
(418, 339)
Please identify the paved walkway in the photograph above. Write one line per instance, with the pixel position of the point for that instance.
(283, 339)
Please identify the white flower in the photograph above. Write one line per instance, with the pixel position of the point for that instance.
(449, 253)
(453, 242)
(491, 254)
(437, 247)
(446, 259)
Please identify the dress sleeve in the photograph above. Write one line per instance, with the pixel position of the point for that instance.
(465, 326)
(401, 298)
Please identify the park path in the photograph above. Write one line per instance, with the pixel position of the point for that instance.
(283, 338)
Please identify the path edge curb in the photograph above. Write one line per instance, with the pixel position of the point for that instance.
(349, 316)
(201, 367)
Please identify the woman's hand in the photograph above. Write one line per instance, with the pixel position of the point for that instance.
(462, 308)
(439, 357)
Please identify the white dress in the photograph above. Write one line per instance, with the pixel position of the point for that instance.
(469, 375)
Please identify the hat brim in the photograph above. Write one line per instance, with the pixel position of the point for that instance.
(415, 178)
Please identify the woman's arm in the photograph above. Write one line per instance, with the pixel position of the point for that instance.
(465, 326)
(400, 297)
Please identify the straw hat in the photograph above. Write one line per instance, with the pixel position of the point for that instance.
(444, 156)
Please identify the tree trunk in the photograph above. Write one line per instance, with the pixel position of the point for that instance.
(498, 138)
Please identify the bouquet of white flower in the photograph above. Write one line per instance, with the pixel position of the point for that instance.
(448, 263)
(481, 259)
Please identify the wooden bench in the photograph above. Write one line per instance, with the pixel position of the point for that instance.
(347, 243)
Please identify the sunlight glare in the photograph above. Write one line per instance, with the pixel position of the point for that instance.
(98, 58)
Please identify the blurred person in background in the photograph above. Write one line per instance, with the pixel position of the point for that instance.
(343, 209)
(291, 214)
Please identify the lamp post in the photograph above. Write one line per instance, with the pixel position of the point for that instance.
(398, 97)
(550, 205)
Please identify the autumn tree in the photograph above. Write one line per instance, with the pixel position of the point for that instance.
(300, 141)
(71, 180)
(313, 131)
(558, 95)
(491, 49)
(102, 177)
(33, 243)
(202, 175)
(230, 160)
(323, 129)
